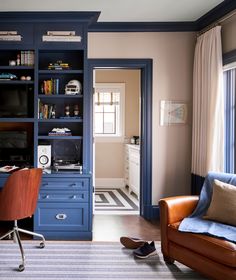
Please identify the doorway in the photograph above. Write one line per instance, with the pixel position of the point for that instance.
(145, 66)
(116, 126)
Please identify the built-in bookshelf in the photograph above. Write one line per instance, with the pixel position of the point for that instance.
(44, 107)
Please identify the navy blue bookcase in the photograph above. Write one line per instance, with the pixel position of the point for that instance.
(64, 209)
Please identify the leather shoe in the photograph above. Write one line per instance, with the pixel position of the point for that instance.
(131, 242)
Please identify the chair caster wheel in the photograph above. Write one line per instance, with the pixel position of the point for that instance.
(41, 245)
(21, 267)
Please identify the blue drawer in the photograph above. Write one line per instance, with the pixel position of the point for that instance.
(65, 184)
(60, 196)
(61, 217)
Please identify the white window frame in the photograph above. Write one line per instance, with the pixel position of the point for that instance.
(106, 87)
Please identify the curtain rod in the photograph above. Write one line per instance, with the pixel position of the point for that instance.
(216, 23)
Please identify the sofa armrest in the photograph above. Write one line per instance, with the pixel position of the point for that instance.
(175, 209)
(172, 210)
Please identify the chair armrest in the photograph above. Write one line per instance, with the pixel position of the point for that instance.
(175, 209)
(172, 210)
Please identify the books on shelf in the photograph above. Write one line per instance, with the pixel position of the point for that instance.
(46, 111)
(27, 58)
(50, 86)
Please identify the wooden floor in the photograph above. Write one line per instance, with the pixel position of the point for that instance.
(112, 227)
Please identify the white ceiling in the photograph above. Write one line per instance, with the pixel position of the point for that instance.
(121, 10)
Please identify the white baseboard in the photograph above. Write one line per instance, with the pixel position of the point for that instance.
(104, 183)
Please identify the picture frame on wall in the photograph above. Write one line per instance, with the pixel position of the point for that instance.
(173, 112)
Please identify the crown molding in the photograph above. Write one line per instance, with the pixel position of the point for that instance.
(143, 27)
(86, 17)
(216, 13)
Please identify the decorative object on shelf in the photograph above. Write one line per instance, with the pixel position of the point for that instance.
(76, 110)
(25, 78)
(53, 112)
(67, 111)
(173, 112)
(12, 63)
(61, 36)
(10, 36)
(8, 76)
(58, 65)
(73, 87)
(18, 60)
(60, 132)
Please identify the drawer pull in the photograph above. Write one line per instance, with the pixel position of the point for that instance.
(74, 197)
(73, 185)
(46, 196)
(61, 216)
(45, 184)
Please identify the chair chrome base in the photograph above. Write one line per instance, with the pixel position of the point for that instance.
(16, 238)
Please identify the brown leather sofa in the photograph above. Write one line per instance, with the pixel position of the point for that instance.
(213, 257)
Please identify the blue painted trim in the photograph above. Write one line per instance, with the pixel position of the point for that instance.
(143, 27)
(216, 13)
(145, 65)
(86, 17)
(152, 212)
(229, 57)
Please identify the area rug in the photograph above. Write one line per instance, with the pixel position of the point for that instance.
(85, 260)
(115, 201)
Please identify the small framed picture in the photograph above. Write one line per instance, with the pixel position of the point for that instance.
(173, 112)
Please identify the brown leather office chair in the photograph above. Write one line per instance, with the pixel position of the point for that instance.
(18, 200)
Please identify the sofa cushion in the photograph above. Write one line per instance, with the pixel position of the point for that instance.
(214, 248)
(223, 204)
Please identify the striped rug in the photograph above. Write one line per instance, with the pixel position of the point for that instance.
(85, 260)
(115, 201)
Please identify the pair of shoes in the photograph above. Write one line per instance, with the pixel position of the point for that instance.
(131, 242)
(145, 251)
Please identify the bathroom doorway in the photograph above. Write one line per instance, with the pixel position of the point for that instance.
(116, 128)
(145, 67)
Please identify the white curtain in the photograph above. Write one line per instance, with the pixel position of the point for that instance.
(208, 112)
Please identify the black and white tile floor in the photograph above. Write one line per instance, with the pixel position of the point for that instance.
(115, 202)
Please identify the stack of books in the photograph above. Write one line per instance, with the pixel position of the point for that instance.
(59, 65)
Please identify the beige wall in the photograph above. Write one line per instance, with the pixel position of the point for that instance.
(107, 166)
(172, 55)
(229, 35)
